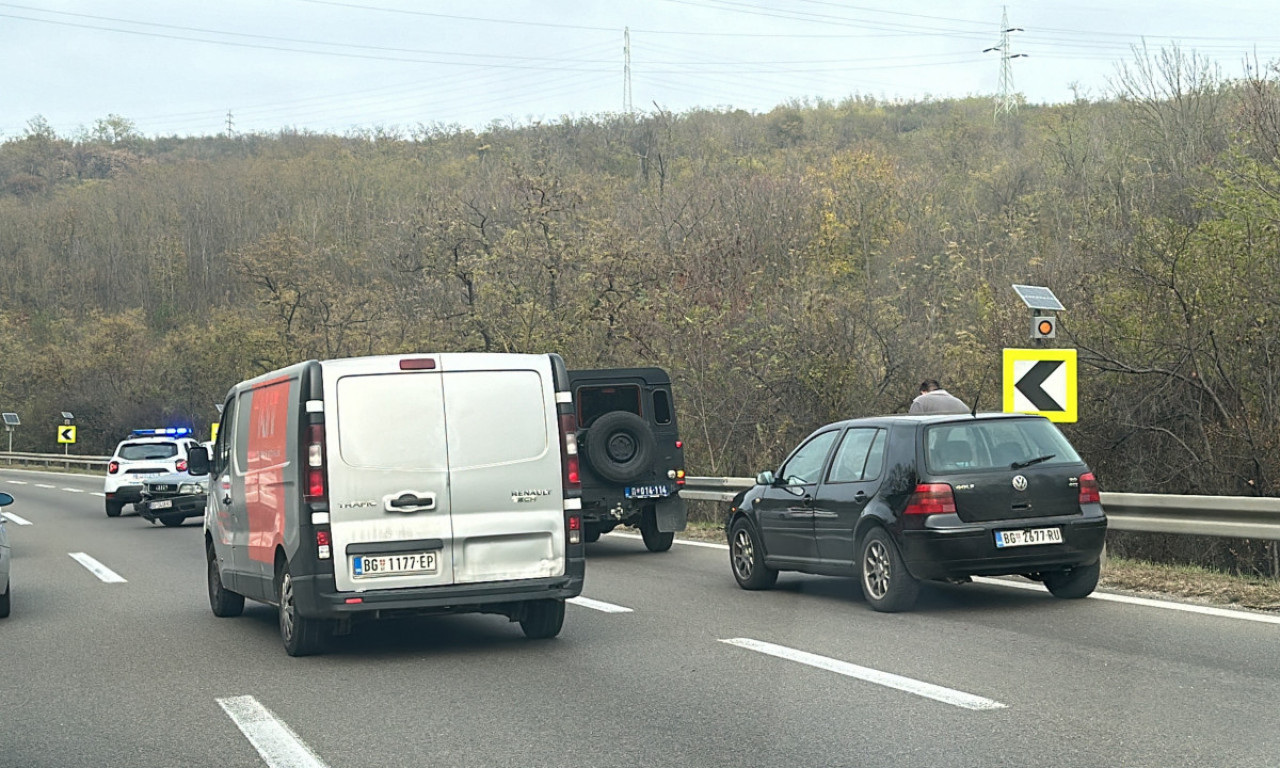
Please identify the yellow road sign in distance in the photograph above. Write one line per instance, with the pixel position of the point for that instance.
(1041, 381)
(213, 432)
(66, 435)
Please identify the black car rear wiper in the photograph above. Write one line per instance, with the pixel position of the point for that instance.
(1029, 462)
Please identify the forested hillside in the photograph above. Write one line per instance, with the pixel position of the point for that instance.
(789, 268)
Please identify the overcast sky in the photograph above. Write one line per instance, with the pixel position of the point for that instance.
(179, 66)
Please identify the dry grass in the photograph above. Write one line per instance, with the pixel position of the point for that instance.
(1191, 583)
(1177, 582)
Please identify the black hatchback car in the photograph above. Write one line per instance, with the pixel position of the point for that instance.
(896, 500)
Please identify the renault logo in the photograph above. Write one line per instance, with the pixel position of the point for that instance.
(1019, 483)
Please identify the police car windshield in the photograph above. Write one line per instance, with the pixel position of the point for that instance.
(148, 451)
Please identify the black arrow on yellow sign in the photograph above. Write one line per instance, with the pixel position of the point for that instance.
(66, 434)
(1030, 385)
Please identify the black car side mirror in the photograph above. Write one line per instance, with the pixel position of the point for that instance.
(198, 461)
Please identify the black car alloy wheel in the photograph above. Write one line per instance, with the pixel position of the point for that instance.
(746, 557)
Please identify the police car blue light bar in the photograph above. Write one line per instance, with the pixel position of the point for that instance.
(163, 432)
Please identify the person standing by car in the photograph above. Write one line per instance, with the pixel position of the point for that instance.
(934, 399)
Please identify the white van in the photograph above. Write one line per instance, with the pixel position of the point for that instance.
(405, 484)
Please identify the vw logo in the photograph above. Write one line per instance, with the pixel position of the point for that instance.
(1019, 483)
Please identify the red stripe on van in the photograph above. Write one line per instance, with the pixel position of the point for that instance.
(268, 445)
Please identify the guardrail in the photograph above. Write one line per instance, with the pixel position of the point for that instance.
(1240, 517)
(66, 461)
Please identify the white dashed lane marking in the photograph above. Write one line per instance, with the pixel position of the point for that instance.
(97, 569)
(887, 679)
(73, 490)
(598, 605)
(42, 485)
(15, 519)
(279, 746)
(16, 482)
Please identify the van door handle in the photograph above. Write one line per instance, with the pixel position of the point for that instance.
(409, 501)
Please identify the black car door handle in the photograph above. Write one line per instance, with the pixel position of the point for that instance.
(860, 496)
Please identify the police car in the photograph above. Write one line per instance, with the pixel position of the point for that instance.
(146, 452)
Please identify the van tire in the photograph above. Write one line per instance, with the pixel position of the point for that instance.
(224, 603)
(542, 619)
(301, 636)
(114, 508)
(654, 540)
(173, 522)
(590, 534)
(5, 603)
(620, 446)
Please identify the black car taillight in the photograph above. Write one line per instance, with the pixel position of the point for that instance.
(317, 487)
(931, 499)
(1089, 492)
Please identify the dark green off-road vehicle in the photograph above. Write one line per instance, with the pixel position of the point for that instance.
(631, 455)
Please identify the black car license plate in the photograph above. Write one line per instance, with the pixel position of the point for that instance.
(647, 491)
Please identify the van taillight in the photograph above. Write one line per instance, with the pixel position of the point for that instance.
(113, 468)
(575, 529)
(324, 543)
(316, 489)
(569, 451)
(931, 499)
(1089, 492)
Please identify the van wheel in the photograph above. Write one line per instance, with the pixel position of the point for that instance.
(114, 508)
(1073, 583)
(302, 636)
(886, 583)
(654, 540)
(173, 522)
(542, 619)
(746, 557)
(223, 601)
(4, 602)
(590, 534)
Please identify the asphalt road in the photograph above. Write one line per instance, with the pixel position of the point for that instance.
(696, 673)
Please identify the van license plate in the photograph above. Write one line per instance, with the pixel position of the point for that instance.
(363, 566)
(647, 491)
(1028, 537)
(161, 504)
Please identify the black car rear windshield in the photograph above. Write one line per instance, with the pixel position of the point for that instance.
(995, 444)
(148, 451)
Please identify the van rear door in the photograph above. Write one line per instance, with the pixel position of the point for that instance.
(506, 480)
(387, 459)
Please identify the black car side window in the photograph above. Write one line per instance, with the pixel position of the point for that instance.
(805, 466)
(850, 464)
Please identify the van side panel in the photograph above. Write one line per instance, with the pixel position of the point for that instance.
(506, 484)
(267, 471)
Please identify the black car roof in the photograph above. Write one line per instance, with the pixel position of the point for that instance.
(932, 418)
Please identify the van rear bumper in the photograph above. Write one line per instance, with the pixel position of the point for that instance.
(316, 596)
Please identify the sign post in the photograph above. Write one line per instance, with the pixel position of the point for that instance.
(11, 420)
(67, 433)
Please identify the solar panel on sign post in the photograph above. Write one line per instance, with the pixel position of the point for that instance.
(1038, 297)
(12, 420)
